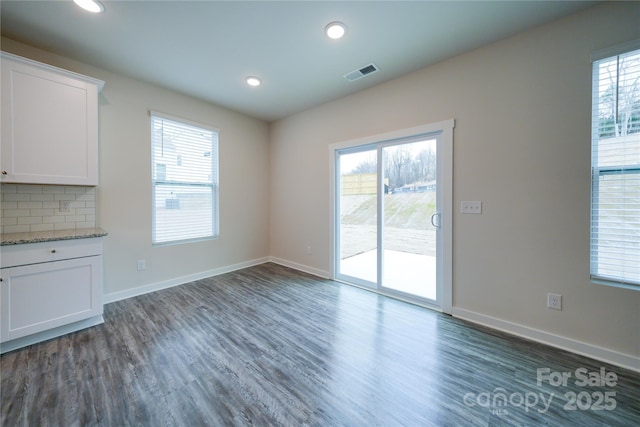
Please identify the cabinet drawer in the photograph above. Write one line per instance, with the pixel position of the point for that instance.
(32, 253)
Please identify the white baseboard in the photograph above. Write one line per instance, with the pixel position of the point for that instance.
(152, 287)
(301, 267)
(626, 361)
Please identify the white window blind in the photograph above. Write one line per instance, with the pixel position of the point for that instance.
(185, 180)
(615, 167)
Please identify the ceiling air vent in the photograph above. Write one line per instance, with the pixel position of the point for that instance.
(361, 72)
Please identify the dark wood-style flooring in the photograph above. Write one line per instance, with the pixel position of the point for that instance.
(270, 346)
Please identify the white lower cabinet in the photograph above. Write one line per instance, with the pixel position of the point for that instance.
(49, 289)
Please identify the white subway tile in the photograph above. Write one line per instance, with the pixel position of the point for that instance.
(41, 212)
(74, 189)
(16, 197)
(42, 197)
(87, 224)
(41, 227)
(89, 197)
(9, 221)
(15, 212)
(9, 205)
(64, 226)
(85, 211)
(52, 219)
(29, 205)
(37, 207)
(15, 229)
(30, 220)
(8, 188)
(53, 189)
(29, 189)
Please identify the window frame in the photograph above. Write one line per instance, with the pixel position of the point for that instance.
(600, 171)
(213, 185)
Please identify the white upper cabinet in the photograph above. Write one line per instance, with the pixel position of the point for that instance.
(49, 124)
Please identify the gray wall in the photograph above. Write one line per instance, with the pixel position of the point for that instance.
(124, 193)
(521, 145)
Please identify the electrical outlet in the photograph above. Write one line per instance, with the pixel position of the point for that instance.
(471, 207)
(554, 301)
(142, 265)
(309, 250)
(65, 206)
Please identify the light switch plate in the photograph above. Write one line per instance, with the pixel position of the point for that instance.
(471, 207)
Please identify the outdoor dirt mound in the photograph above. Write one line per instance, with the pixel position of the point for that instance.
(404, 210)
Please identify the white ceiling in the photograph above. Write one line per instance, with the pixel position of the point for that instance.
(207, 48)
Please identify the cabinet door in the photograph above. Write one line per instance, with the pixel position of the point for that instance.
(49, 127)
(38, 297)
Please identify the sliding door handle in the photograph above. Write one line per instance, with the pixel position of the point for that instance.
(434, 222)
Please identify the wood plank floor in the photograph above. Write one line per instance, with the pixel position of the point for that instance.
(270, 346)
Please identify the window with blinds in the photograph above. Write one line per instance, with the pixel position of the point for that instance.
(184, 159)
(615, 168)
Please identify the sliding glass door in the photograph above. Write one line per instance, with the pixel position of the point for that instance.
(388, 234)
(410, 218)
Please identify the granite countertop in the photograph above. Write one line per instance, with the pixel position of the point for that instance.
(49, 236)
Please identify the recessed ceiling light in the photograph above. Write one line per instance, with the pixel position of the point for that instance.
(92, 6)
(253, 81)
(335, 30)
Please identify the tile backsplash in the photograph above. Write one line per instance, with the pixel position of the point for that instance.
(25, 208)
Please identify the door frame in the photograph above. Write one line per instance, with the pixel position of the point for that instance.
(445, 179)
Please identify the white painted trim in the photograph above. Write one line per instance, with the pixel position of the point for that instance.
(30, 62)
(615, 50)
(51, 333)
(301, 267)
(181, 120)
(395, 134)
(332, 213)
(396, 296)
(446, 182)
(626, 361)
(152, 287)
